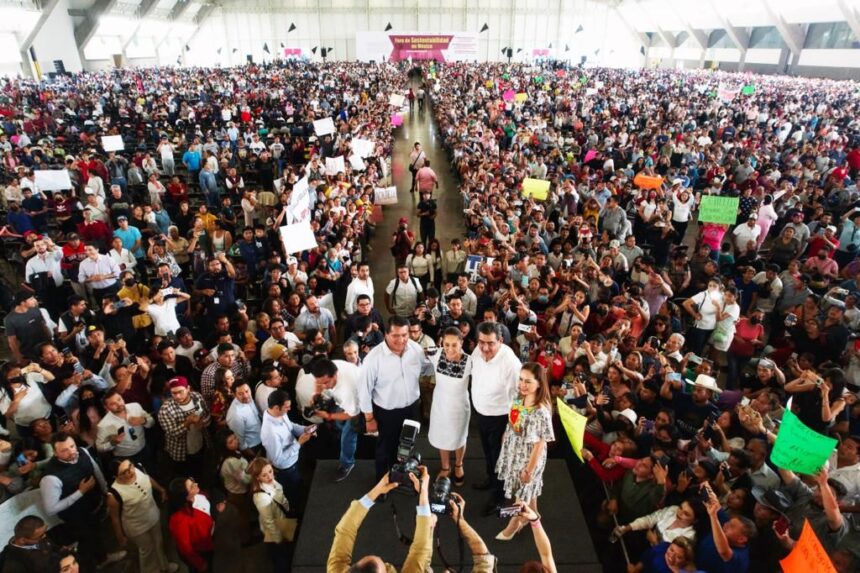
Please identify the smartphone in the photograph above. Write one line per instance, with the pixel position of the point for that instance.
(67, 352)
(510, 511)
(524, 327)
(62, 420)
(649, 426)
(120, 431)
(695, 359)
(654, 342)
(21, 460)
(118, 336)
(675, 376)
(312, 429)
(119, 304)
(781, 525)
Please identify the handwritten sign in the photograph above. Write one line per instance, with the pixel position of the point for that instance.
(112, 143)
(385, 196)
(799, 448)
(396, 100)
(362, 147)
(808, 555)
(298, 237)
(574, 426)
(521, 97)
(324, 126)
(537, 188)
(716, 209)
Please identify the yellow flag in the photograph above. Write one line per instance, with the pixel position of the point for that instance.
(574, 425)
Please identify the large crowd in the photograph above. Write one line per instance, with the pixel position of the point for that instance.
(168, 349)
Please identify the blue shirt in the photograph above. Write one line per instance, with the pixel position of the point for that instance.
(244, 420)
(129, 237)
(192, 160)
(280, 438)
(708, 559)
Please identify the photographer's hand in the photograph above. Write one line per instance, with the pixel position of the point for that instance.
(422, 487)
(381, 488)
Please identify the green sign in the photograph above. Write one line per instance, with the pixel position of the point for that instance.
(748, 90)
(715, 209)
(799, 448)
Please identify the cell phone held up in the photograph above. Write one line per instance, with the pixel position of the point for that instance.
(510, 511)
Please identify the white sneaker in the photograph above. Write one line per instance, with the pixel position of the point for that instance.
(112, 558)
(171, 568)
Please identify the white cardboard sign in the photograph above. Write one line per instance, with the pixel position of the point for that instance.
(298, 237)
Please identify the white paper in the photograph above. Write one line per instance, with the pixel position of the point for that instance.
(53, 179)
(112, 143)
(362, 147)
(25, 503)
(386, 196)
(396, 100)
(324, 126)
(300, 211)
(356, 163)
(298, 237)
(335, 165)
(300, 189)
(590, 91)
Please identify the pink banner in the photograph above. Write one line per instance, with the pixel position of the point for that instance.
(418, 47)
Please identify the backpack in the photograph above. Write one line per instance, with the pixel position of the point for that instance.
(397, 285)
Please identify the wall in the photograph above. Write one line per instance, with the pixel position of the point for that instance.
(56, 41)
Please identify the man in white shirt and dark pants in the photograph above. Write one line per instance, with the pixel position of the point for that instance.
(495, 373)
(361, 284)
(388, 389)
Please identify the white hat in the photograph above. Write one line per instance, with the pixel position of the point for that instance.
(677, 181)
(627, 413)
(706, 382)
(292, 261)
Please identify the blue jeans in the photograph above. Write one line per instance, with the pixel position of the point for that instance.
(291, 481)
(348, 443)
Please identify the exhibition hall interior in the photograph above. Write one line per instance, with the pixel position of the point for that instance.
(261, 260)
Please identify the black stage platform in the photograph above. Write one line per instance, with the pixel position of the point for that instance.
(327, 501)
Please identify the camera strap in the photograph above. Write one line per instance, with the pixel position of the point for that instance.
(407, 541)
(459, 547)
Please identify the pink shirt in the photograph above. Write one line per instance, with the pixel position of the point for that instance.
(426, 179)
(712, 235)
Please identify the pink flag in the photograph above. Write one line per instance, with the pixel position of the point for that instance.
(396, 120)
(589, 155)
(508, 95)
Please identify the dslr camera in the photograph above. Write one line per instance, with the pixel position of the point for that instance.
(440, 495)
(322, 402)
(408, 459)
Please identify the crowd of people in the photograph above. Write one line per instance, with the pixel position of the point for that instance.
(168, 348)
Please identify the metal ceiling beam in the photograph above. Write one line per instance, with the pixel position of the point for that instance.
(738, 36)
(179, 9)
(850, 15)
(24, 47)
(792, 34)
(143, 11)
(85, 30)
(670, 39)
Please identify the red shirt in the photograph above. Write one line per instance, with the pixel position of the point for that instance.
(745, 333)
(600, 449)
(192, 532)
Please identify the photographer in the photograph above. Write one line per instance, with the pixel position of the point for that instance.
(402, 241)
(421, 550)
(330, 394)
(482, 560)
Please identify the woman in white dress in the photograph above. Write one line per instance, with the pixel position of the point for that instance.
(449, 415)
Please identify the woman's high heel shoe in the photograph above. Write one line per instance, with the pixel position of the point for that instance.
(502, 537)
(459, 480)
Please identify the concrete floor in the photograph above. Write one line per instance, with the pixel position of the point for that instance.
(449, 220)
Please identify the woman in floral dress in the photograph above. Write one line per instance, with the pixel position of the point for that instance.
(523, 456)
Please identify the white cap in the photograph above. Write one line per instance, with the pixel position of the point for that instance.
(292, 261)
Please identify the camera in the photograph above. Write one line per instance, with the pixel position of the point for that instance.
(408, 459)
(321, 402)
(440, 494)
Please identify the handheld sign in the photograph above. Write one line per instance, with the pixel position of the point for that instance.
(52, 179)
(112, 143)
(574, 426)
(324, 126)
(808, 554)
(716, 209)
(537, 188)
(298, 237)
(799, 448)
(385, 195)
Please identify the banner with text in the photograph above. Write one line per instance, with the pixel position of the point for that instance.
(384, 46)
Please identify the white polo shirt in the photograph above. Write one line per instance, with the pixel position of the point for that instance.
(494, 383)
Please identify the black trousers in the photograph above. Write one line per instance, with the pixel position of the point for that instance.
(389, 423)
(492, 429)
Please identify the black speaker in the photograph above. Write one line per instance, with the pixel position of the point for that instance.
(250, 58)
(59, 67)
(510, 52)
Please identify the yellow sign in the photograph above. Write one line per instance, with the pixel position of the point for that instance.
(489, 84)
(521, 97)
(537, 188)
(574, 426)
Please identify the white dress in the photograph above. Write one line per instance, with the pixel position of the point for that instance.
(449, 415)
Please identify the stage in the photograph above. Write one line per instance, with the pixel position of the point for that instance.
(327, 501)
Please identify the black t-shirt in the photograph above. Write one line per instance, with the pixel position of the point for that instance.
(689, 416)
(28, 328)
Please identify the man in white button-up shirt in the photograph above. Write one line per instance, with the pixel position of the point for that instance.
(388, 388)
(495, 372)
